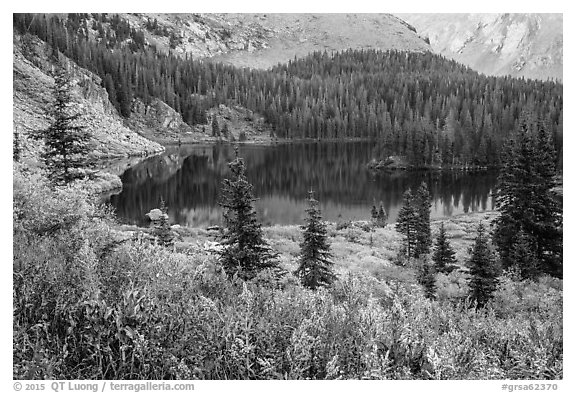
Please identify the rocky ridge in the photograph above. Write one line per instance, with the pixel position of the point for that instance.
(264, 40)
(520, 45)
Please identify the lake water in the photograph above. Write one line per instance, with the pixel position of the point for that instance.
(189, 179)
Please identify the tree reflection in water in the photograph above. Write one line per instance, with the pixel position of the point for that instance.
(189, 180)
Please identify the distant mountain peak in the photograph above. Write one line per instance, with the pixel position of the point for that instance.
(522, 45)
(264, 40)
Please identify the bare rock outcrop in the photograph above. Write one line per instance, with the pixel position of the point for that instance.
(522, 45)
(264, 40)
(157, 120)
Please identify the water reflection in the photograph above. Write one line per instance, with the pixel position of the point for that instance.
(189, 180)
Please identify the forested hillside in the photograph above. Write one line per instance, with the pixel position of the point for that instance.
(418, 105)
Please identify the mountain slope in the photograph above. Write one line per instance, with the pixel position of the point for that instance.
(264, 40)
(521, 45)
(32, 96)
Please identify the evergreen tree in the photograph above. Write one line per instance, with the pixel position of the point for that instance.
(524, 255)
(484, 271)
(374, 213)
(426, 277)
(524, 197)
(424, 236)
(315, 268)
(110, 89)
(407, 223)
(124, 94)
(225, 130)
(245, 252)
(215, 127)
(381, 216)
(162, 231)
(443, 256)
(66, 142)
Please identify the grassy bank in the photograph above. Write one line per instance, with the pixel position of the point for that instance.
(358, 247)
(95, 300)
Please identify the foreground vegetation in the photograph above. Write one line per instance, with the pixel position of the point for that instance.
(91, 302)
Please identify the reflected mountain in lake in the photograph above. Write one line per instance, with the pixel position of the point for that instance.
(189, 179)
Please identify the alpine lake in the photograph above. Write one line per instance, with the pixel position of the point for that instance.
(189, 179)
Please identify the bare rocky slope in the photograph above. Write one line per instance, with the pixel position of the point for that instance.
(264, 40)
(33, 84)
(521, 45)
(158, 121)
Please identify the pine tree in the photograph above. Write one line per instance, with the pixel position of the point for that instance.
(315, 268)
(524, 196)
(66, 142)
(245, 252)
(427, 278)
(484, 271)
(424, 236)
(162, 231)
(407, 223)
(443, 256)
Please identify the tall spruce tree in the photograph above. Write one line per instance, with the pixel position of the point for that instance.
(245, 252)
(407, 223)
(66, 141)
(424, 235)
(524, 196)
(484, 270)
(443, 255)
(315, 268)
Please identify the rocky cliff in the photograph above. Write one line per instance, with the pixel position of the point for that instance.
(264, 40)
(157, 120)
(33, 84)
(522, 45)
